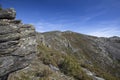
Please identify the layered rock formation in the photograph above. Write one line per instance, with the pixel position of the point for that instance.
(7, 14)
(17, 43)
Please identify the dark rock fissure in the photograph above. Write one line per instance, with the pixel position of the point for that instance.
(4, 77)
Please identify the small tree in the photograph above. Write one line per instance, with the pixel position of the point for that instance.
(0, 7)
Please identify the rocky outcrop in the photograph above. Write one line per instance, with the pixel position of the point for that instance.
(17, 43)
(7, 13)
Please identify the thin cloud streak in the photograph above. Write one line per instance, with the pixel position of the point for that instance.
(100, 29)
(106, 32)
(88, 18)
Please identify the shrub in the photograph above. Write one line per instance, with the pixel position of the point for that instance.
(0, 7)
(45, 73)
(71, 67)
(99, 72)
(67, 63)
(48, 56)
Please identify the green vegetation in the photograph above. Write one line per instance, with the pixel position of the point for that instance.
(71, 67)
(48, 56)
(68, 64)
(22, 76)
(0, 7)
(80, 41)
(36, 72)
(44, 74)
(100, 72)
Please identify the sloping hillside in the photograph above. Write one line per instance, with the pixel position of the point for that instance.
(102, 54)
(73, 56)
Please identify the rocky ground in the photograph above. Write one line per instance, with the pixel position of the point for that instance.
(17, 43)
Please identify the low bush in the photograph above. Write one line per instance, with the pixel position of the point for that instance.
(71, 67)
(67, 63)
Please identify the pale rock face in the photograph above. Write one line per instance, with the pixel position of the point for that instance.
(17, 43)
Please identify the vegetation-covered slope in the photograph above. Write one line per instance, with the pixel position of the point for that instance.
(73, 56)
(100, 55)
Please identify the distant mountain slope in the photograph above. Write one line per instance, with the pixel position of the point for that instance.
(99, 52)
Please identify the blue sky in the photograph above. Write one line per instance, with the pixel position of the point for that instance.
(93, 17)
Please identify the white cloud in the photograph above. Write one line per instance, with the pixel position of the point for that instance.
(45, 26)
(90, 17)
(106, 32)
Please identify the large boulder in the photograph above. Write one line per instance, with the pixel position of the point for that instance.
(17, 44)
(7, 13)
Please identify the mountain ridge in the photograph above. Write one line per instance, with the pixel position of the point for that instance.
(105, 45)
(78, 33)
